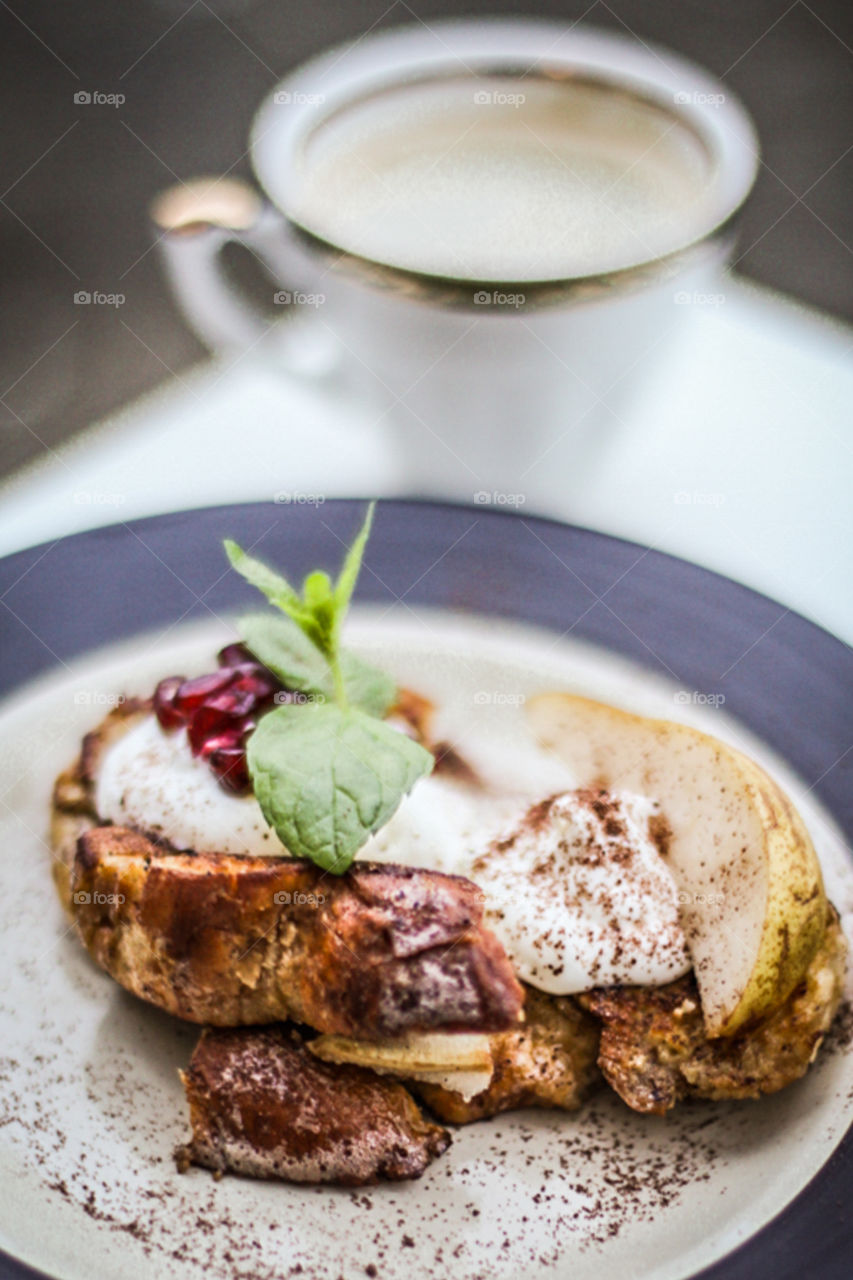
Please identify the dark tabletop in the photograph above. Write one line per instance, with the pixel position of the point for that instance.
(77, 179)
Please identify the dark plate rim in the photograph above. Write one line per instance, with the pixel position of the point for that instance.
(784, 1246)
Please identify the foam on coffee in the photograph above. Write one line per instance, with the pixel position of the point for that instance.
(503, 178)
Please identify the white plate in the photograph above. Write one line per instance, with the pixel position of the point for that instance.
(92, 1106)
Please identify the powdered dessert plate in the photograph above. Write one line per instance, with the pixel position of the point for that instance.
(481, 609)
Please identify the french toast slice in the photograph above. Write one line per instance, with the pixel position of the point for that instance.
(262, 1102)
(262, 1105)
(229, 940)
(654, 1049)
(549, 1062)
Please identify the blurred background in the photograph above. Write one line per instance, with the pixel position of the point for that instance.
(77, 178)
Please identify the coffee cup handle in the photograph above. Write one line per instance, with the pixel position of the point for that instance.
(195, 221)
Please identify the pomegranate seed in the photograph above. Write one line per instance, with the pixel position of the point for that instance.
(256, 670)
(233, 702)
(219, 714)
(259, 683)
(220, 710)
(234, 655)
(192, 693)
(216, 741)
(229, 764)
(164, 702)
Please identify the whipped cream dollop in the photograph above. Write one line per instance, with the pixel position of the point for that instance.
(580, 896)
(575, 886)
(149, 779)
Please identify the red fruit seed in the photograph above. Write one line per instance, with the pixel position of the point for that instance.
(217, 741)
(192, 693)
(258, 682)
(220, 714)
(229, 765)
(164, 702)
(233, 655)
(220, 710)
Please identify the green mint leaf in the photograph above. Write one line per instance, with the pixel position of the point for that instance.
(367, 687)
(283, 647)
(327, 778)
(280, 645)
(348, 575)
(321, 608)
(277, 589)
(320, 603)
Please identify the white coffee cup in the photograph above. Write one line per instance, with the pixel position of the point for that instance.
(499, 355)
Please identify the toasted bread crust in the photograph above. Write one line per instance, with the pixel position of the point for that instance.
(262, 1105)
(548, 1062)
(230, 941)
(654, 1050)
(73, 807)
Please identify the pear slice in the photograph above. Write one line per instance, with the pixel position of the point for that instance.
(751, 895)
(459, 1062)
(410, 1054)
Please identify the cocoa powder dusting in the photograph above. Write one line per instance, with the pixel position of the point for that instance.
(660, 833)
(186, 1227)
(839, 1038)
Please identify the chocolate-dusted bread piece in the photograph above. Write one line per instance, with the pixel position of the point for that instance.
(654, 1050)
(227, 940)
(262, 1105)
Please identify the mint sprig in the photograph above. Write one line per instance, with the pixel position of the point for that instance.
(330, 772)
(326, 778)
(283, 647)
